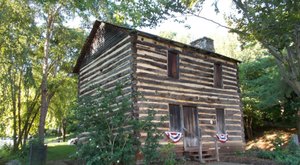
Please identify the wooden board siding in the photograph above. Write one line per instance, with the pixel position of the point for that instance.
(195, 87)
(108, 66)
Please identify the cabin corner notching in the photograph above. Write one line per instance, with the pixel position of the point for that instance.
(196, 88)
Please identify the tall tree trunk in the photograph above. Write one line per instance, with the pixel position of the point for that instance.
(248, 125)
(26, 131)
(14, 107)
(30, 110)
(19, 139)
(15, 146)
(44, 88)
(64, 129)
(298, 124)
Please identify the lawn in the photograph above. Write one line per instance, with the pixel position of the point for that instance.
(59, 150)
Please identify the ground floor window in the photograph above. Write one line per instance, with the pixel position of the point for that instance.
(175, 122)
(220, 120)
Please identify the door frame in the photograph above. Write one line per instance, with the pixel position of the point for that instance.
(196, 123)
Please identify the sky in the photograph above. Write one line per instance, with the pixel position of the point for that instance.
(199, 27)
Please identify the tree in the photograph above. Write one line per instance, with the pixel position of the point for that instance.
(62, 103)
(17, 31)
(274, 24)
(33, 35)
(259, 79)
(232, 47)
(174, 36)
(130, 13)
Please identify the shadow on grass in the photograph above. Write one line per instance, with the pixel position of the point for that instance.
(60, 152)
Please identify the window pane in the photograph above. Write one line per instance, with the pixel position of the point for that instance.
(218, 76)
(175, 123)
(220, 121)
(173, 69)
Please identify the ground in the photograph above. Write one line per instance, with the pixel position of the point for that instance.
(59, 152)
(268, 138)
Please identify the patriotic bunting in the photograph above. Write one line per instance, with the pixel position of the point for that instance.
(222, 137)
(173, 136)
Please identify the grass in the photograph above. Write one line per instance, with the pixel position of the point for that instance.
(50, 139)
(60, 151)
(55, 151)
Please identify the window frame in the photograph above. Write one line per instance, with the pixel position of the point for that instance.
(175, 126)
(218, 118)
(171, 57)
(218, 75)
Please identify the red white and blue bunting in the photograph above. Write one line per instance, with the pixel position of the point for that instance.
(174, 136)
(222, 137)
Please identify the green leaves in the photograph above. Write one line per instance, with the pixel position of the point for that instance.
(106, 116)
(265, 96)
(113, 131)
(270, 21)
(259, 79)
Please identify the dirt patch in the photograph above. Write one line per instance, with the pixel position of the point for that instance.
(267, 139)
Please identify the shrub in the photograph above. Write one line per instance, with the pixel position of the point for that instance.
(149, 149)
(289, 155)
(112, 129)
(169, 156)
(5, 152)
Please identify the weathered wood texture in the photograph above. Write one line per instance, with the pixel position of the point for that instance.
(195, 86)
(109, 62)
(140, 62)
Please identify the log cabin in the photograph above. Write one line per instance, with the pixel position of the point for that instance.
(194, 86)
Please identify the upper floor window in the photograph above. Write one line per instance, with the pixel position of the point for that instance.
(173, 65)
(218, 82)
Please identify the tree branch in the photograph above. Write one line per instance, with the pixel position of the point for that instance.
(210, 20)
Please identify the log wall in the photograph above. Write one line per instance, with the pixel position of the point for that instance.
(109, 63)
(139, 61)
(195, 86)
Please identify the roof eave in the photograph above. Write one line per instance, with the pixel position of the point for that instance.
(97, 23)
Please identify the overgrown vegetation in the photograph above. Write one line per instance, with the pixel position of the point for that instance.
(168, 154)
(113, 131)
(267, 100)
(288, 155)
(7, 154)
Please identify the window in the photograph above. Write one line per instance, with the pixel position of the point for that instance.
(173, 67)
(220, 120)
(218, 82)
(174, 113)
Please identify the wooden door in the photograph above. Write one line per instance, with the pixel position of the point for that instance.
(190, 122)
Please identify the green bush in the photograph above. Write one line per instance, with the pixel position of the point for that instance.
(169, 156)
(150, 148)
(289, 155)
(5, 152)
(112, 139)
